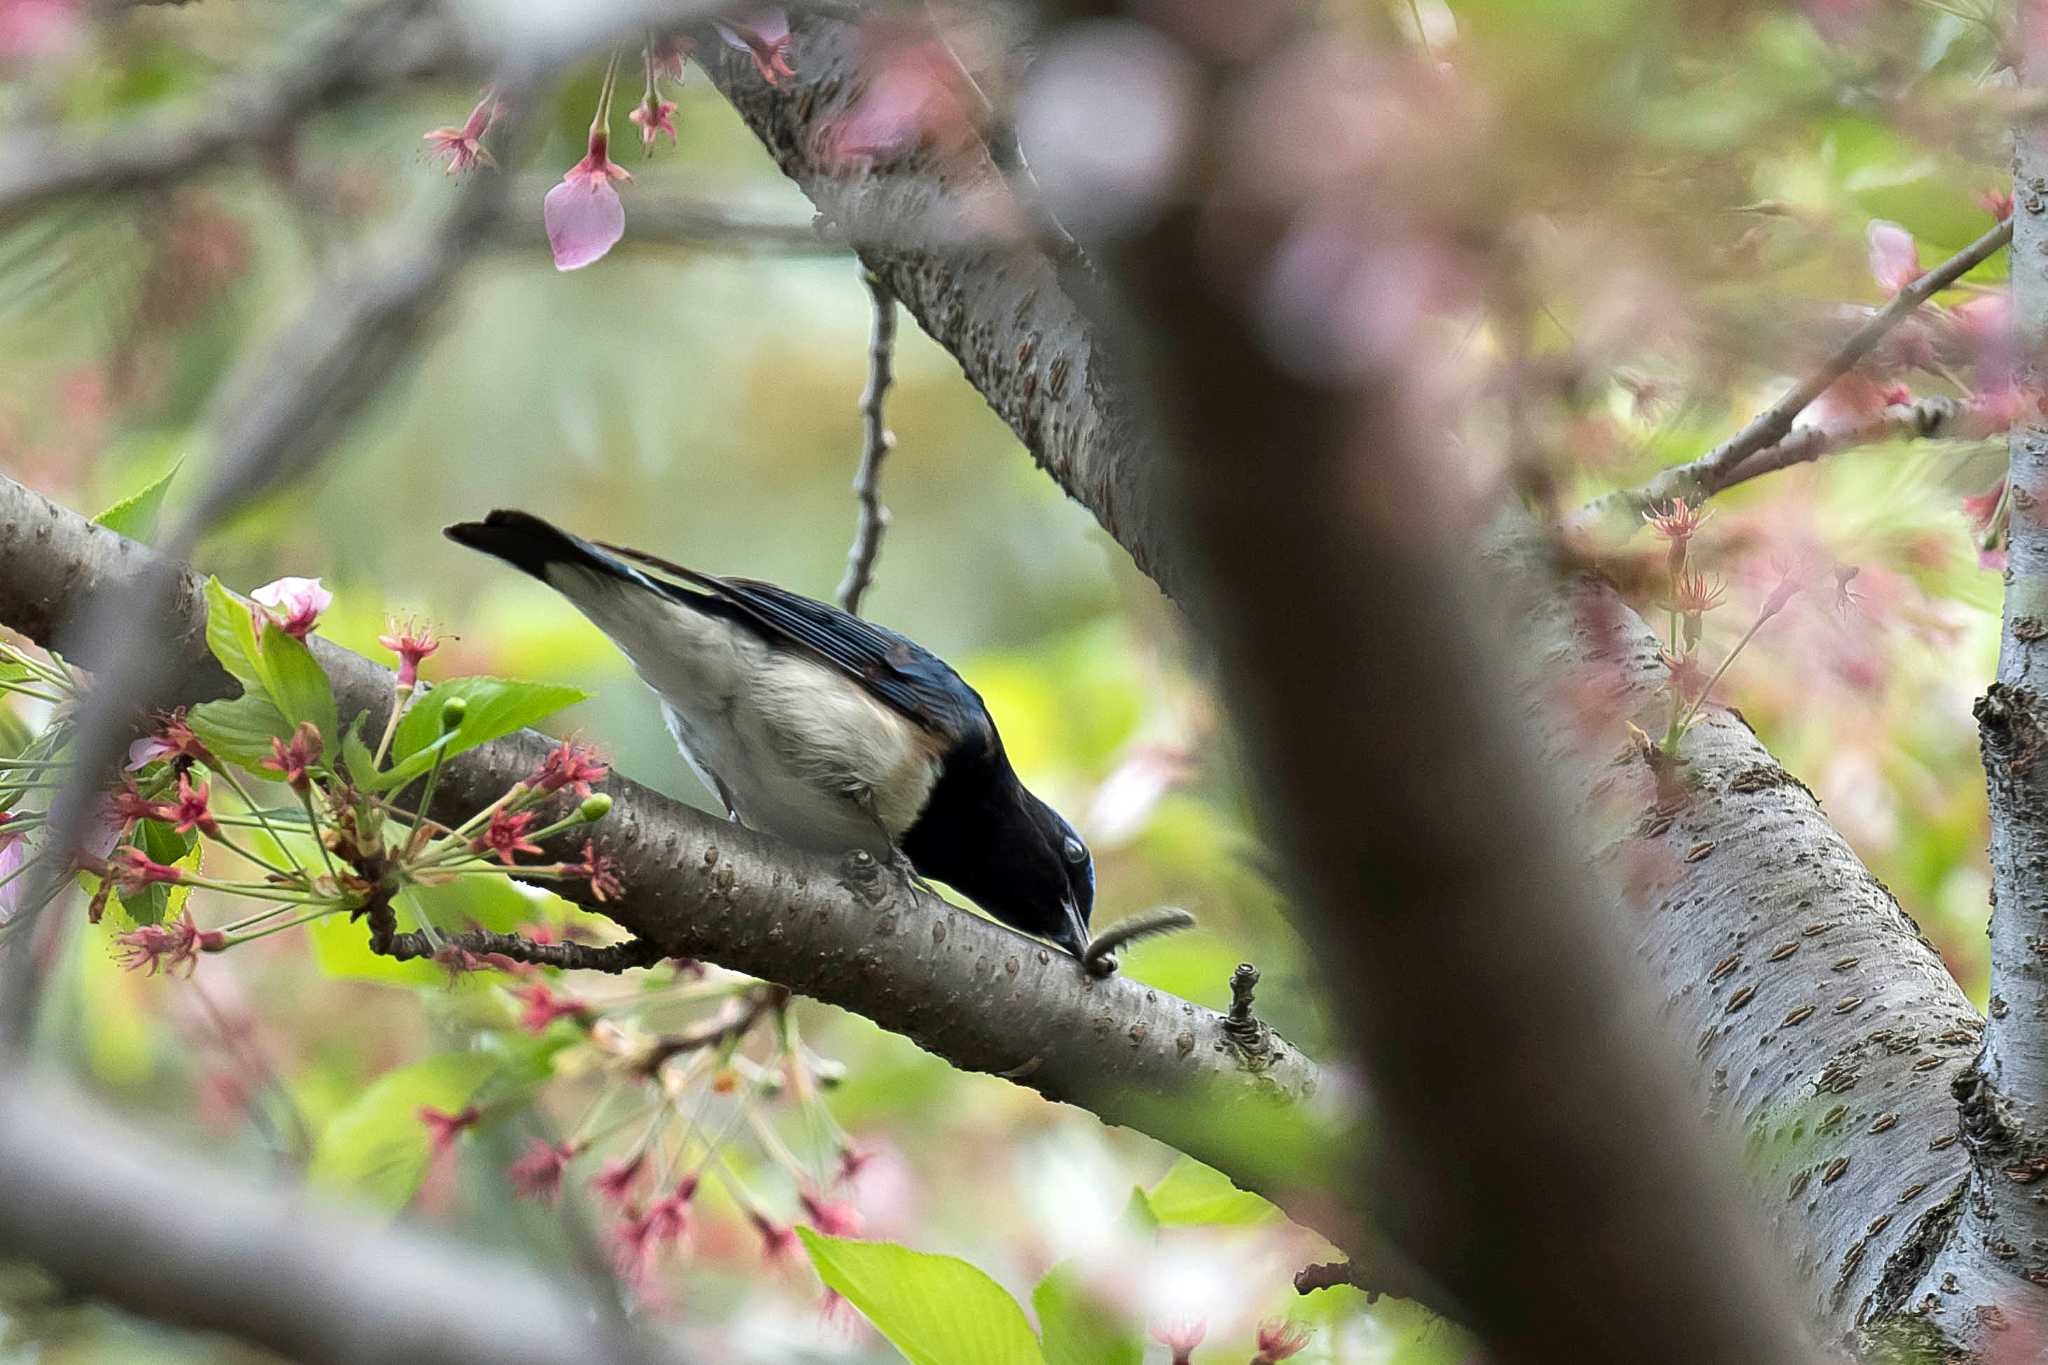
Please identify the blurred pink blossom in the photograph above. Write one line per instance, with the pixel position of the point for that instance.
(13, 857)
(538, 1174)
(913, 97)
(655, 116)
(1125, 801)
(463, 147)
(1894, 256)
(1837, 20)
(1181, 1336)
(37, 28)
(670, 55)
(763, 36)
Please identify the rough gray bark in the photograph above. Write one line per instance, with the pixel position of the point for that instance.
(976, 993)
(1996, 1261)
(999, 307)
(1826, 1029)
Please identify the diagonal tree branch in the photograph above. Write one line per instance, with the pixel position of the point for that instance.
(1739, 457)
(976, 993)
(103, 1208)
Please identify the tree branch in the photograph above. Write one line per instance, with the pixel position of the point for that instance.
(387, 43)
(1730, 462)
(1998, 1254)
(109, 1212)
(972, 991)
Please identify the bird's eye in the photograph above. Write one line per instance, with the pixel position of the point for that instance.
(1075, 852)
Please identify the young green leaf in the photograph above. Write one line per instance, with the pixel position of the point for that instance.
(1191, 1193)
(239, 731)
(356, 755)
(1079, 1329)
(296, 682)
(376, 1149)
(136, 515)
(493, 708)
(231, 634)
(936, 1310)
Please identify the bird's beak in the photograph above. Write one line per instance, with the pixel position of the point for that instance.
(1073, 935)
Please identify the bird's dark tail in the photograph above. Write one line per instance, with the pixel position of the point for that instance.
(526, 542)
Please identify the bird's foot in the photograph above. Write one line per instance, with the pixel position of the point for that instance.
(900, 864)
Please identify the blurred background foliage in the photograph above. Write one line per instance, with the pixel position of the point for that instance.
(1698, 180)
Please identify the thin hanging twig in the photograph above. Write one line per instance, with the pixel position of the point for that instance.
(876, 443)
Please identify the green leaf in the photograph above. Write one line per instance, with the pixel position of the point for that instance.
(135, 516)
(231, 634)
(1078, 1328)
(239, 731)
(495, 707)
(296, 682)
(937, 1310)
(376, 1149)
(1192, 1193)
(356, 755)
(268, 662)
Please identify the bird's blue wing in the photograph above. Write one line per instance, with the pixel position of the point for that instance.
(897, 671)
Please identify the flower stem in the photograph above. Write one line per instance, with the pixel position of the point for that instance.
(1700, 700)
(227, 775)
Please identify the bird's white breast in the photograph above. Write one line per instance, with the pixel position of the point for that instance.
(795, 747)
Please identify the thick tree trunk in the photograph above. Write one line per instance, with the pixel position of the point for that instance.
(1996, 1261)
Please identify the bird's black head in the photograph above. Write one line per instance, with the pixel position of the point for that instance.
(988, 837)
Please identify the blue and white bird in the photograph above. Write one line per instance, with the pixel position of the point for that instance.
(820, 728)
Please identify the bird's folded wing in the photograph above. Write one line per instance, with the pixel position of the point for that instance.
(895, 670)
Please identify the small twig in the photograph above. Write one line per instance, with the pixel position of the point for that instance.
(1924, 419)
(1379, 1273)
(876, 443)
(610, 957)
(1716, 469)
(760, 1002)
(1167, 919)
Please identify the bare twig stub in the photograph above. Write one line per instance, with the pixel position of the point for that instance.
(876, 443)
(461, 951)
(1718, 468)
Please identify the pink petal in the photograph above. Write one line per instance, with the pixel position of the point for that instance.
(1894, 258)
(291, 595)
(584, 221)
(146, 751)
(13, 853)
